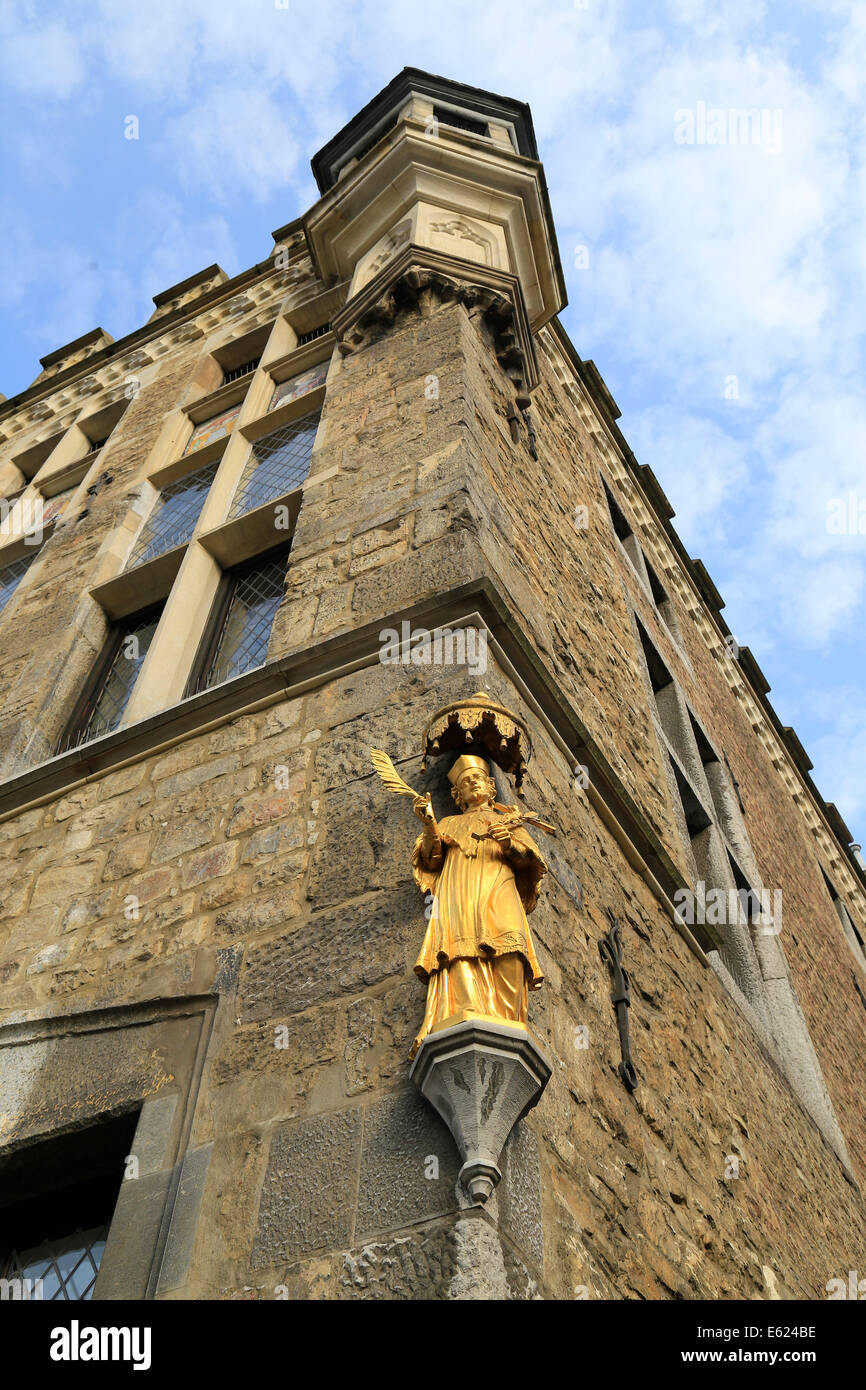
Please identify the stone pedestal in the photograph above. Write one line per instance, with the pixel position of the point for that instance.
(482, 1075)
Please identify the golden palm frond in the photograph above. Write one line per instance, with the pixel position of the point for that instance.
(515, 821)
(533, 818)
(389, 774)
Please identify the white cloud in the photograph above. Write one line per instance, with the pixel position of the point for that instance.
(237, 142)
(44, 64)
(839, 754)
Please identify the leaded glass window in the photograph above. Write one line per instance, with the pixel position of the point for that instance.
(57, 1201)
(61, 1269)
(11, 576)
(278, 463)
(174, 515)
(103, 707)
(244, 631)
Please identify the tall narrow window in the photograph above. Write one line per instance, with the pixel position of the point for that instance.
(617, 515)
(244, 620)
(245, 369)
(314, 333)
(174, 515)
(852, 935)
(11, 576)
(716, 855)
(629, 541)
(107, 694)
(278, 463)
(662, 601)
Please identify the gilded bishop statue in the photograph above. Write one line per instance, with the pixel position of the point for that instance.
(483, 871)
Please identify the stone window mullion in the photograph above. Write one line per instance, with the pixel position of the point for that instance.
(234, 456)
(12, 480)
(166, 668)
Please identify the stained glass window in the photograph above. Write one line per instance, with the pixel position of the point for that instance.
(299, 385)
(215, 428)
(174, 515)
(124, 656)
(245, 630)
(278, 463)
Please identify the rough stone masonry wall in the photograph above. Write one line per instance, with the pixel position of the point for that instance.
(431, 492)
(319, 1181)
(815, 948)
(818, 955)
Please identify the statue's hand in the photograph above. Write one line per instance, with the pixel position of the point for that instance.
(424, 811)
(501, 836)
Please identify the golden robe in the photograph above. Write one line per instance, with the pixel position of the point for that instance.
(478, 954)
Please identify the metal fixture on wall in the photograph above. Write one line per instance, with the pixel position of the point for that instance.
(523, 404)
(610, 950)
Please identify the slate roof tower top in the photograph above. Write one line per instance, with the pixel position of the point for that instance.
(436, 182)
(380, 114)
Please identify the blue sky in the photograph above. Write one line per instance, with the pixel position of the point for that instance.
(718, 284)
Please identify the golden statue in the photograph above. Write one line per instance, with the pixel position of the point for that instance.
(483, 871)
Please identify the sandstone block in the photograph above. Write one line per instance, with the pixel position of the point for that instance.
(308, 1194)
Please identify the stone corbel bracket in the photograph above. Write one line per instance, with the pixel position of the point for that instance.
(481, 1075)
(419, 280)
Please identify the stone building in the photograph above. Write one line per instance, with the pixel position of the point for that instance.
(211, 530)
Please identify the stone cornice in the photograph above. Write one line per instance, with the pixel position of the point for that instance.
(453, 185)
(327, 162)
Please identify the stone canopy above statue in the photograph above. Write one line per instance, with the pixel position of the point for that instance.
(480, 725)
